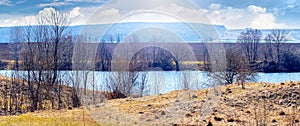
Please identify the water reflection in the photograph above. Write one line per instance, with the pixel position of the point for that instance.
(163, 81)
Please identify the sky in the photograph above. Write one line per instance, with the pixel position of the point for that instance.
(233, 14)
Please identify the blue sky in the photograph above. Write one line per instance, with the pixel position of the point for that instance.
(234, 14)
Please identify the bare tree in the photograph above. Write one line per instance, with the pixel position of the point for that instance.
(58, 22)
(16, 38)
(4, 94)
(205, 59)
(104, 57)
(42, 55)
(142, 84)
(274, 51)
(234, 64)
(123, 82)
(278, 37)
(249, 41)
(83, 61)
(269, 55)
(2, 64)
(237, 68)
(184, 80)
(36, 63)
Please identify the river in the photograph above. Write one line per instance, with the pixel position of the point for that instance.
(171, 80)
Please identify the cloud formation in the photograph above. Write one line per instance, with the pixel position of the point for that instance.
(234, 18)
(53, 4)
(239, 18)
(19, 20)
(256, 9)
(5, 2)
(164, 11)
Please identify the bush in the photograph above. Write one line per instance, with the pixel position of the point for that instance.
(3, 65)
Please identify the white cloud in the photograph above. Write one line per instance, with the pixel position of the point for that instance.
(291, 3)
(78, 16)
(66, 2)
(5, 2)
(266, 21)
(145, 16)
(239, 18)
(112, 14)
(46, 11)
(9, 20)
(24, 20)
(256, 9)
(102, 17)
(53, 4)
(215, 6)
(75, 12)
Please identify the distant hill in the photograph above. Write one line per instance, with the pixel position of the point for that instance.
(183, 30)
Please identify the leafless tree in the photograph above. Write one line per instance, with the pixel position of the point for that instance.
(42, 53)
(237, 68)
(16, 38)
(274, 51)
(277, 38)
(83, 61)
(184, 79)
(143, 83)
(58, 22)
(104, 57)
(4, 94)
(269, 55)
(249, 41)
(205, 59)
(35, 63)
(123, 82)
(234, 64)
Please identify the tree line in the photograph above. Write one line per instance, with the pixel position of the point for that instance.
(39, 51)
(254, 53)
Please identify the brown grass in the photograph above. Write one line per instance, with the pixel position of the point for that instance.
(76, 117)
(147, 110)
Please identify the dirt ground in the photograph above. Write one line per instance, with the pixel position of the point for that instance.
(258, 104)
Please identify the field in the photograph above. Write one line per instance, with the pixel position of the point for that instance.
(76, 117)
(259, 103)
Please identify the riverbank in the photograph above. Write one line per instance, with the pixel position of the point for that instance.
(259, 103)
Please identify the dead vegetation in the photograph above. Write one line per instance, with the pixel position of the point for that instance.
(16, 97)
(75, 117)
(258, 104)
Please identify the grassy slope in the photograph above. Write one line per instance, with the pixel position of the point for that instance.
(76, 117)
(235, 107)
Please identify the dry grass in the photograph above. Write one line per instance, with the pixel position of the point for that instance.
(152, 106)
(147, 110)
(147, 104)
(76, 117)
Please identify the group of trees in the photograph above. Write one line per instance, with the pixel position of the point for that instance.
(280, 58)
(152, 57)
(257, 54)
(2, 65)
(39, 51)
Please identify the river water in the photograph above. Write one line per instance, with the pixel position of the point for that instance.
(167, 80)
